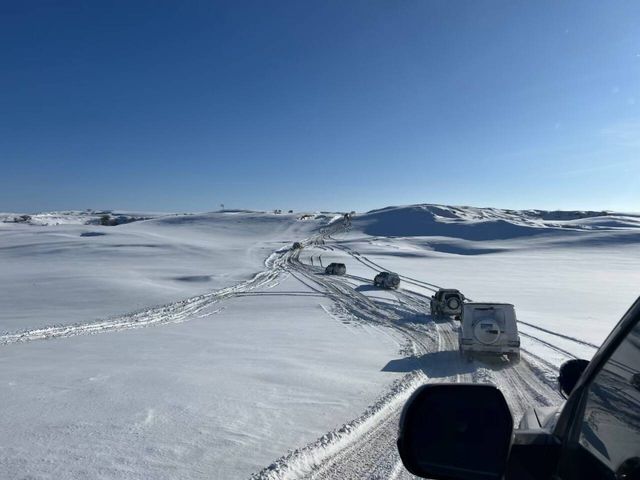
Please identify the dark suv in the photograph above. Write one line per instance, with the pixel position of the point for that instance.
(387, 280)
(447, 301)
(336, 269)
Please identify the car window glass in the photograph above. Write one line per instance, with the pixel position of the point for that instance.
(611, 424)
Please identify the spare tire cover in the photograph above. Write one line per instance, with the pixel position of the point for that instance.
(453, 303)
(486, 331)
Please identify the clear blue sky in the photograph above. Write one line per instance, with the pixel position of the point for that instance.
(176, 106)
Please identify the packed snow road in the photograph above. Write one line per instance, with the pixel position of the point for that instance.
(365, 448)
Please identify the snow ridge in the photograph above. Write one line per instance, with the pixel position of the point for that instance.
(473, 223)
(302, 461)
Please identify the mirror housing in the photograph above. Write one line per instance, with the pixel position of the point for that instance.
(570, 372)
(456, 431)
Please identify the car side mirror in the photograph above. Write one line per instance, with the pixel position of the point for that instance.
(570, 372)
(456, 431)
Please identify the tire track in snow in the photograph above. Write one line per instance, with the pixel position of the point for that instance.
(549, 345)
(560, 335)
(176, 312)
(379, 268)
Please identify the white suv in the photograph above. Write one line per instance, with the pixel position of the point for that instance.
(489, 328)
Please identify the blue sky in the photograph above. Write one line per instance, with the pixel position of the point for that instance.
(182, 106)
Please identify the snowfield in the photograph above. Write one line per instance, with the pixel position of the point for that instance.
(68, 273)
(204, 346)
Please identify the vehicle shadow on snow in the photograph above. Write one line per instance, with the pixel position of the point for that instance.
(440, 319)
(366, 288)
(193, 278)
(443, 364)
(407, 316)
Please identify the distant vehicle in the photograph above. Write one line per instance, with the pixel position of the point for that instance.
(336, 269)
(595, 435)
(296, 246)
(387, 280)
(447, 301)
(489, 328)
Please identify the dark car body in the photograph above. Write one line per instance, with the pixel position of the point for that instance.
(387, 280)
(336, 269)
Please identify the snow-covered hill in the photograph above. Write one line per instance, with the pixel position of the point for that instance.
(204, 346)
(75, 217)
(472, 223)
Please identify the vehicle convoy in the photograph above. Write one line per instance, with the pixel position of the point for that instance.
(489, 328)
(447, 301)
(465, 431)
(387, 280)
(336, 269)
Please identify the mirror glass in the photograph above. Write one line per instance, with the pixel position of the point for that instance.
(456, 431)
(570, 372)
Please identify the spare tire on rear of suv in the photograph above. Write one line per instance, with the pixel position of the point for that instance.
(453, 303)
(486, 331)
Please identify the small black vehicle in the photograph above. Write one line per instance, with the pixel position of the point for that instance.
(447, 301)
(387, 280)
(336, 269)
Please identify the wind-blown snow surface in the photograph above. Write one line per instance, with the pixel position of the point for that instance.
(67, 273)
(216, 397)
(256, 354)
(232, 378)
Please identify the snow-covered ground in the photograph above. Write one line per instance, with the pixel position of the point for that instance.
(69, 272)
(215, 397)
(251, 357)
